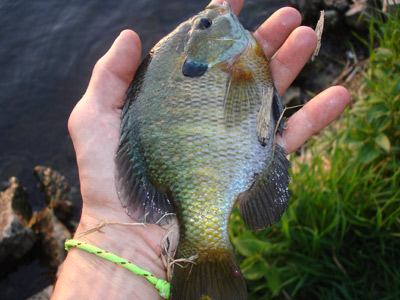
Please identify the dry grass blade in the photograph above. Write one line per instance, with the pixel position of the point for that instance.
(318, 30)
(105, 223)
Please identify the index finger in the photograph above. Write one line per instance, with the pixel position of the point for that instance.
(274, 31)
(318, 113)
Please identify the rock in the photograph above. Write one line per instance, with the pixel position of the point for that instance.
(332, 18)
(55, 188)
(349, 12)
(52, 234)
(16, 236)
(48, 226)
(305, 5)
(43, 295)
(338, 5)
(309, 9)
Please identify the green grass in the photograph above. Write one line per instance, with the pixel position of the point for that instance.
(340, 236)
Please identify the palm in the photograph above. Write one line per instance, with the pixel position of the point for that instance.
(95, 144)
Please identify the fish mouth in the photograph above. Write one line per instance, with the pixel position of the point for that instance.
(193, 69)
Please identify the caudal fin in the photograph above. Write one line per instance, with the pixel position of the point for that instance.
(216, 279)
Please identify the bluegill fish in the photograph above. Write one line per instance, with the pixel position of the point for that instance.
(198, 135)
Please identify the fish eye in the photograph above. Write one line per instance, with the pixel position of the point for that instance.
(204, 23)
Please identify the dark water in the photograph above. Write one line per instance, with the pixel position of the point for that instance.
(47, 52)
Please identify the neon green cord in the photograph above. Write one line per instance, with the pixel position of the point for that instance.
(161, 285)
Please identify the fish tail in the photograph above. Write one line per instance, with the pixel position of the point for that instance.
(214, 277)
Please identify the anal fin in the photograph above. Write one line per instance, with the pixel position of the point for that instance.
(265, 202)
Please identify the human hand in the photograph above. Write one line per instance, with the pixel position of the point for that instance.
(94, 128)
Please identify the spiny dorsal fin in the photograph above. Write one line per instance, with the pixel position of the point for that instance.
(265, 202)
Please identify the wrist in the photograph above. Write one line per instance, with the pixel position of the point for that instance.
(85, 274)
(140, 244)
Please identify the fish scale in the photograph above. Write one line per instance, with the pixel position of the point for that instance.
(191, 146)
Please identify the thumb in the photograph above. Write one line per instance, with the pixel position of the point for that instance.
(95, 118)
(114, 72)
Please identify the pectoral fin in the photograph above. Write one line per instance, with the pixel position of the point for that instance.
(241, 95)
(265, 202)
